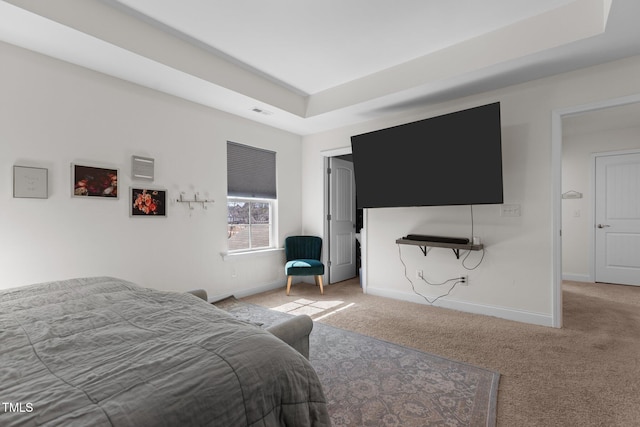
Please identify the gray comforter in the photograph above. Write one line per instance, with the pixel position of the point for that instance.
(105, 352)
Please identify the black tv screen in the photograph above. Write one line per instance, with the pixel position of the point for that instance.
(454, 159)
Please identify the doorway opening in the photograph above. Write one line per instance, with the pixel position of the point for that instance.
(562, 119)
(343, 221)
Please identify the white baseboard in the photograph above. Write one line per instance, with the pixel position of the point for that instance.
(523, 316)
(576, 277)
(251, 291)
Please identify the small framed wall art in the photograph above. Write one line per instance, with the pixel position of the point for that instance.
(91, 181)
(148, 202)
(30, 182)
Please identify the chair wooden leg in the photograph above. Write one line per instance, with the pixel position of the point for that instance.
(289, 283)
(319, 282)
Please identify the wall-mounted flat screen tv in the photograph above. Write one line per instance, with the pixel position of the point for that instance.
(454, 159)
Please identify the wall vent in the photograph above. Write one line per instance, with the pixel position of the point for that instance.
(142, 168)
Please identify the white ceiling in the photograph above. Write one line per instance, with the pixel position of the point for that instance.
(313, 45)
(311, 66)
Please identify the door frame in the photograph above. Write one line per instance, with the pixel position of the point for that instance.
(325, 211)
(592, 230)
(556, 190)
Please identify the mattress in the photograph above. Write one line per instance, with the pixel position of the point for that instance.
(105, 352)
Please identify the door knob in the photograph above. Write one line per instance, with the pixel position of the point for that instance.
(603, 225)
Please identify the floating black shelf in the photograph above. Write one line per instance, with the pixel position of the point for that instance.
(455, 247)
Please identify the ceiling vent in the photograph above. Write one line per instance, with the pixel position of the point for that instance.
(261, 111)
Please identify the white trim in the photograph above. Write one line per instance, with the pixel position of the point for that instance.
(364, 240)
(556, 219)
(326, 240)
(556, 189)
(235, 256)
(523, 316)
(336, 152)
(574, 277)
(592, 220)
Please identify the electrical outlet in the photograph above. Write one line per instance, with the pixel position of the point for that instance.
(419, 274)
(510, 210)
(464, 280)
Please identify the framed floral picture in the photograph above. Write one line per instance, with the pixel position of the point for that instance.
(91, 181)
(148, 202)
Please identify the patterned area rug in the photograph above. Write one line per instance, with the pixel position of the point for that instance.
(369, 382)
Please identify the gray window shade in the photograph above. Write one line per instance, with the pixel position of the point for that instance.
(251, 172)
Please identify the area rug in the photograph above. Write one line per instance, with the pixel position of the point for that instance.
(370, 382)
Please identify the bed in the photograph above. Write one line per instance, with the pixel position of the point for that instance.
(106, 352)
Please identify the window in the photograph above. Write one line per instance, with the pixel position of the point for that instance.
(249, 224)
(251, 197)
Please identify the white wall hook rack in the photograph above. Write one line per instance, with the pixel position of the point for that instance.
(195, 200)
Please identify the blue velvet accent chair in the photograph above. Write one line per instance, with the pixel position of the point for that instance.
(303, 259)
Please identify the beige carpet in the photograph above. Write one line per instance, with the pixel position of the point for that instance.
(371, 382)
(585, 374)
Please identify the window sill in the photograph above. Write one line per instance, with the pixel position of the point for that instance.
(232, 256)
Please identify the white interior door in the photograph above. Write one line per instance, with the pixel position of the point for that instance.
(342, 222)
(617, 216)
